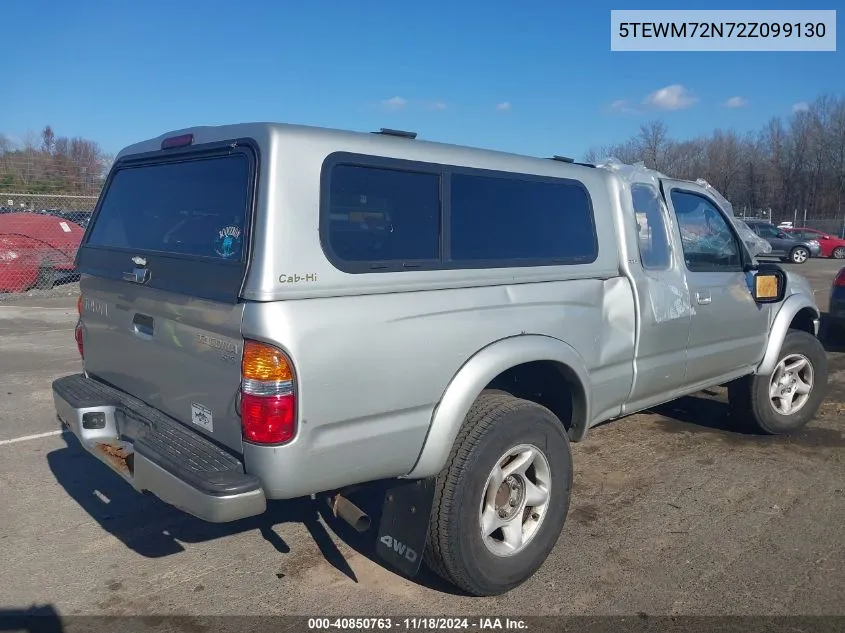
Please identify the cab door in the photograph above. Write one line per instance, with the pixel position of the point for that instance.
(663, 297)
(728, 329)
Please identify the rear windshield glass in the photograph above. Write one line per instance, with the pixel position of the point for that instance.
(195, 207)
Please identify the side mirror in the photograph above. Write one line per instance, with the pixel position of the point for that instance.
(769, 284)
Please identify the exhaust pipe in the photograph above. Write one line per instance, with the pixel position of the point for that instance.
(344, 509)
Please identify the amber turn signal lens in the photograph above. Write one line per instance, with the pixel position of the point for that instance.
(264, 362)
(767, 286)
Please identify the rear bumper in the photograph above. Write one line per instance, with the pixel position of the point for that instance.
(157, 454)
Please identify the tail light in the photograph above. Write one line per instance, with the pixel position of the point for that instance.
(840, 278)
(78, 332)
(268, 395)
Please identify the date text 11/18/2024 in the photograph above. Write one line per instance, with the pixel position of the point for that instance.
(417, 624)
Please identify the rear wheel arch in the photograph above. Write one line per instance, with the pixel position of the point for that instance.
(504, 366)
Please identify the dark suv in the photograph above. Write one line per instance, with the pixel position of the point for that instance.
(784, 246)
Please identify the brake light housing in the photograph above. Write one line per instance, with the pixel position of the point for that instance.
(78, 335)
(78, 332)
(183, 140)
(268, 395)
(840, 279)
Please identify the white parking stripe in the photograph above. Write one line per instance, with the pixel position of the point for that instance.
(26, 438)
(10, 307)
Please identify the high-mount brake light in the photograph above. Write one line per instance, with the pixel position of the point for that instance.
(268, 397)
(177, 141)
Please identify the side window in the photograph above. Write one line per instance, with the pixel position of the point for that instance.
(708, 243)
(383, 215)
(767, 230)
(655, 252)
(508, 219)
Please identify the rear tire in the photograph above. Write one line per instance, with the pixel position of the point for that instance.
(466, 545)
(784, 401)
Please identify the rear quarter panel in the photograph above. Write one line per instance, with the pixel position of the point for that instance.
(371, 369)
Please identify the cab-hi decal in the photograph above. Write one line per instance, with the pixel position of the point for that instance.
(292, 279)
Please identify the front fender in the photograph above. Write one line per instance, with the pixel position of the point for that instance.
(474, 376)
(791, 306)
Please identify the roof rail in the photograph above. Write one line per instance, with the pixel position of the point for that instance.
(400, 133)
(563, 159)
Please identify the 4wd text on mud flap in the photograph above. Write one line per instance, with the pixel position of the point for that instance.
(399, 548)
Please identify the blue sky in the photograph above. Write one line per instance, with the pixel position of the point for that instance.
(533, 77)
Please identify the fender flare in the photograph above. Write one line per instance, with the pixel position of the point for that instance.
(780, 326)
(474, 375)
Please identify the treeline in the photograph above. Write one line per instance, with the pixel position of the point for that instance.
(51, 164)
(788, 166)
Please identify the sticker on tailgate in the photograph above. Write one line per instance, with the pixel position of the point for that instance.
(201, 416)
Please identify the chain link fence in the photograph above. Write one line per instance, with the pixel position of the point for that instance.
(39, 237)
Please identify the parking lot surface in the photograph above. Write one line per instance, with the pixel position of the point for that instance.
(673, 512)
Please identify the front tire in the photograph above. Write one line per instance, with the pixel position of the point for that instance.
(838, 252)
(784, 401)
(799, 255)
(502, 499)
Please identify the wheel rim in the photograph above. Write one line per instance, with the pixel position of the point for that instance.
(515, 500)
(791, 384)
(839, 252)
(799, 256)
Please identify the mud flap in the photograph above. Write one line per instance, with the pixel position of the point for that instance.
(404, 525)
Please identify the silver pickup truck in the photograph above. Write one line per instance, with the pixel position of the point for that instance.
(271, 311)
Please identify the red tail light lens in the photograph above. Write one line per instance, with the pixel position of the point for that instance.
(267, 419)
(177, 141)
(840, 278)
(268, 395)
(77, 334)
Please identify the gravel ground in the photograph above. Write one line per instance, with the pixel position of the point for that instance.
(673, 513)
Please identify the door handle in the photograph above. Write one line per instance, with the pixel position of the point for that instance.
(143, 325)
(703, 297)
(138, 276)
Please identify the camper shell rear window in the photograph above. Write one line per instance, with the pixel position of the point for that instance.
(195, 207)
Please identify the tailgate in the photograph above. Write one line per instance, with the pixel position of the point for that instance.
(163, 263)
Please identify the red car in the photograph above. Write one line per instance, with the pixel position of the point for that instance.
(36, 250)
(832, 246)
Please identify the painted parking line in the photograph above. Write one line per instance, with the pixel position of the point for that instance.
(38, 436)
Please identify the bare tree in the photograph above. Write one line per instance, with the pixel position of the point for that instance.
(48, 140)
